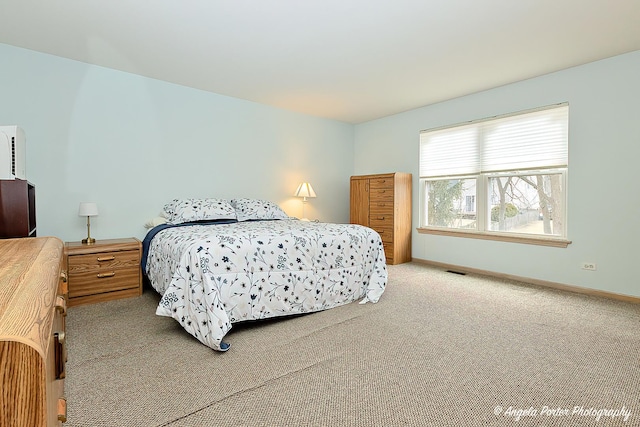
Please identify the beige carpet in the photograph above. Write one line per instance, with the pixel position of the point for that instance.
(438, 349)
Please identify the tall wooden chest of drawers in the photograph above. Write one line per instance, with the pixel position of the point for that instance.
(383, 202)
(104, 270)
(32, 332)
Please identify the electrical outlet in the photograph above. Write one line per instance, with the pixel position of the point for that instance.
(589, 266)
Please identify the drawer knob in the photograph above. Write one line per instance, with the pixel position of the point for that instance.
(103, 275)
(381, 217)
(62, 410)
(61, 305)
(106, 258)
(63, 276)
(60, 354)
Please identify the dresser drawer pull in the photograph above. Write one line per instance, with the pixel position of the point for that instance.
(380, 217)
(62, 410)
(103, 275)
(59, 354)
(381, 232)
(61, 305)
(106, 258)
(382, 191)
(63, 276)
(64, 288)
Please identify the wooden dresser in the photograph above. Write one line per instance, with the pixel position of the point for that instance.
(104, 270)
(32, 332)
(383, 202)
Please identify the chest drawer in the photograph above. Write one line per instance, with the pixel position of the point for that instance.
(382, 183)
(388, 252)
(381, 211)
(381, 204)
(386, 233)
(380, 195)
(381, 221)
(380, 190)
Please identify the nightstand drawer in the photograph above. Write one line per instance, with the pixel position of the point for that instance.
(103, 260)
(104, 280)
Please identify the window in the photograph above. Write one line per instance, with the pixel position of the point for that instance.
(504, 176)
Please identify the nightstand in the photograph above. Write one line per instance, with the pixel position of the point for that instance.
(103, 271)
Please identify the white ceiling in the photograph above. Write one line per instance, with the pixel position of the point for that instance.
(350, 60)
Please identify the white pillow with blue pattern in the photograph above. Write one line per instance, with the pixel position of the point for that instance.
(190, 210)
(167, 209)
(255, 209)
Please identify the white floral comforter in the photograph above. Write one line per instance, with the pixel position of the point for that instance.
(211, 276)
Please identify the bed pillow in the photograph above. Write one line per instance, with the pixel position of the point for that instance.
(167, 209)
(189, 210)
(254, 209)
(153, 222)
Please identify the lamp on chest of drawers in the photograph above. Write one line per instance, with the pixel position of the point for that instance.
(304, 190)
(88, 209)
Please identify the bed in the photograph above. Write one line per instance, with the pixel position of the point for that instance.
(217, 262)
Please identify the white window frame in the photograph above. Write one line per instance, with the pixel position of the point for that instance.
(482, 196)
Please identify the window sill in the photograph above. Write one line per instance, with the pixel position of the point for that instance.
(501, 237)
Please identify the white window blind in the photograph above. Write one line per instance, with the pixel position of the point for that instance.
(531, 140)
(450, 152)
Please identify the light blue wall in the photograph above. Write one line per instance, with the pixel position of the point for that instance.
(603, 195)
(132, 143)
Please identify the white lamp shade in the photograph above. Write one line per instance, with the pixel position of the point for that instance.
(305, 190)
(88, 209)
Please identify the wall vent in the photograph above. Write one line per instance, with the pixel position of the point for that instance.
(457, 272)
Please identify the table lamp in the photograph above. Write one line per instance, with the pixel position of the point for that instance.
(88, 209)
(304, 190)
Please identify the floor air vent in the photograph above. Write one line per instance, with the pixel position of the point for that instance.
(457, 272)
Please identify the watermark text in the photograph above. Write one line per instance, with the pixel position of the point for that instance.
(597, 414)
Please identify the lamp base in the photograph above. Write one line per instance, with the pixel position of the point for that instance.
(88, 241)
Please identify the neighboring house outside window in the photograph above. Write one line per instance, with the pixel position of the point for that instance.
(470, 205)
(498, 177)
